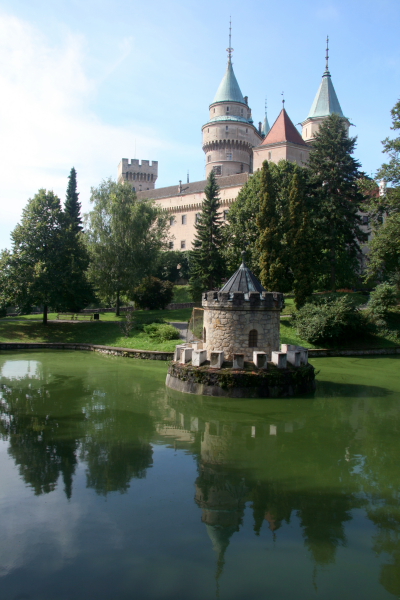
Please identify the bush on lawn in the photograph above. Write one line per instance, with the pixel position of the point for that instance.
(153, 293)
(381, 300)
(161, 331)
(330, 320)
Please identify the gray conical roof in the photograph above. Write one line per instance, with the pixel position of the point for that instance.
(243, 281)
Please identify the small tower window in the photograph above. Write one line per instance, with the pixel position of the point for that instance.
(183, 244)
(253, 338)
(241, 112)
(229, 156)
(225, 214)
(217, 170)
(227, 128)
(171, 245)
(227, 109)
(246, 130)
(241, 167)
(172, 221)
(197, 217)
(214, 109)
(183, 219)
(269, 155)
(204, 335)
(209, 158)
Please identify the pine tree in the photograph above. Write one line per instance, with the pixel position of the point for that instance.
(272, 269)
(72, 206)
(207, 266)
(300, 239)
(337, 199)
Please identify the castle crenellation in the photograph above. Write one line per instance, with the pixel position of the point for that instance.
(251, 300)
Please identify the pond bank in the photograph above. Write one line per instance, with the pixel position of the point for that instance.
(166, 356)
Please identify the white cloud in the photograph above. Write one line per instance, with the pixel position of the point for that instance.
(329, 12)
(46, 122)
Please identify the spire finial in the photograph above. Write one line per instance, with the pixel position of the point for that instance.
(265, 105)
(327, 54)
(230, 49)
(283, 100)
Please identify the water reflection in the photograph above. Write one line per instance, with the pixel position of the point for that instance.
(309, 465)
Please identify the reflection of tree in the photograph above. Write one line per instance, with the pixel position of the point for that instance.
(39, 431)
(117, 450)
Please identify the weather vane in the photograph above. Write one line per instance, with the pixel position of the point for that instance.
(230, 49)
(327, 51)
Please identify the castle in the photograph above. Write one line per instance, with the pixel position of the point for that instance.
(234, 148)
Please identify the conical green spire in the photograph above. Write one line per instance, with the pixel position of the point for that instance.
(326, 101)
(229, 90)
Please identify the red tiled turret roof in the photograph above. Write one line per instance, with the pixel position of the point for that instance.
(283, 130)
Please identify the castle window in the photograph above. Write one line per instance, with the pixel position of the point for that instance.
(209, 158)
(225, 214)
(217, 170)
(172, 221)
(246, 130)
(214, 109)
(301, 156)
(171, 245)
(183, 244)
(183, 219)
(227, 128)
(134, 177)
(241, 167)
(227, 109)
(365, 220)
(269, 155)
(133, 189)
(197, 217)
(253, 338)
(152, 177)
(148, 176)
(204, 335)
(241, 112)
(229, 156)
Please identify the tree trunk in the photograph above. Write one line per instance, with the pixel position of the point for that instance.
(117, 308)
(45, 314)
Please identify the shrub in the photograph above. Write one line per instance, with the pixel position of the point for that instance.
(161, 331)
(381, 300)
(153, 293)
(329, 320)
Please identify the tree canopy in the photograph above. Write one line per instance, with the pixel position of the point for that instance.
(334, 176)
(47, 263)
(124, 237)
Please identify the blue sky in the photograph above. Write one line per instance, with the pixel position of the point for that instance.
(84, 83)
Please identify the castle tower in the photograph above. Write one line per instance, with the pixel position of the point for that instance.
(282, 142)
(242, 317)
(325, 103)
(140, 174)
(229, 135)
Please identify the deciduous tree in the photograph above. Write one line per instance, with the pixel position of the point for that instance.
(124, 237)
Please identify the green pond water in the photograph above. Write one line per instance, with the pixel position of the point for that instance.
(112, 487)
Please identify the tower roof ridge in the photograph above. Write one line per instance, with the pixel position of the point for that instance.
(283, 130)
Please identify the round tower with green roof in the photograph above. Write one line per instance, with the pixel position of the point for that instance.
(230, 135)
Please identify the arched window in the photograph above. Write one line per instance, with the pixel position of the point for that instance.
(253, 338)
(204, 334)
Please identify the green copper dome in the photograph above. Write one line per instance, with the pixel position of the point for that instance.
(229, 90)
(326, 102)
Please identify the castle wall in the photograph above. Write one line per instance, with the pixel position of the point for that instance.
(228, 322)
(276, 152)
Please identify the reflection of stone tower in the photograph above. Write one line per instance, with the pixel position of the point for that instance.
(229, 136)
(242, 317)
(325, 103)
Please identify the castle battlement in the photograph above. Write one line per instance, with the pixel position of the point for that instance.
(142, 173)
(245, 301)
(136, 162)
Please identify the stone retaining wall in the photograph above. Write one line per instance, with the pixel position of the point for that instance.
(125, 352)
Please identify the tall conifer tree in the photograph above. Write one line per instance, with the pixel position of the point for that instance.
(272, 270)
(300, 240)
(337, 199)
(72, 206)
(207, 265)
